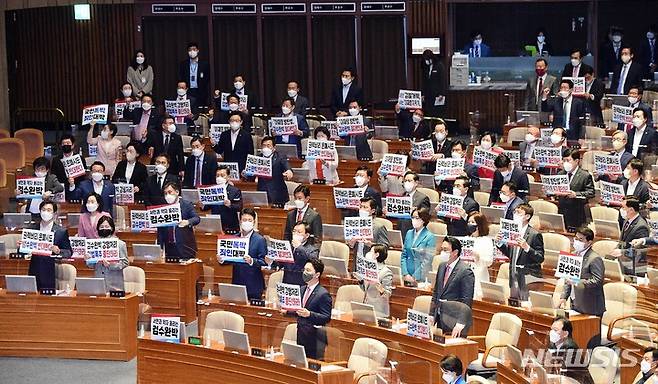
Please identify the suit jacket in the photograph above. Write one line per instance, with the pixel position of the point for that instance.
(593, 106)
(182, 243)
(302, 105)
(43, 267)
(370, 192)
(194, 105)
(568, 344)
(51, 185)
(648, 143)
(518, 176)
(589, 296)
(154, 120)
(311, 217)
(638, 229)
(573, 210)
(531, 260)
(433, 85)
(608, 59)
(417, 254)
(208, 170)
(419, 200)
(155, 140)
(633, 77)
(644, 56)
(429, 167)
(472, 173)
(221, 117)
(337, 103)
(459, 227)
(292, 272)
(531, 101)
(252, 99)
(643, 106)
(57, 169)
(302, 125)
(360, 141)
(203, 78)
(244, 145)
(138, 178)
(379, 234)
(409, 129)
(459, 287)
(107, 195)
(113, 273)
(229, 215)
(641, 190)
(485, 51)
(277, 191)
(568, 70)
(153, 192)
(310, 332)
(576, 116)
(509, 212)
(251, 275)
(372, 295)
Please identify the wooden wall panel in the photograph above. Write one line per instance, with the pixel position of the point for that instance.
(425, 18)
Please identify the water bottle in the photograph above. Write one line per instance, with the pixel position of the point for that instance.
(209, 294)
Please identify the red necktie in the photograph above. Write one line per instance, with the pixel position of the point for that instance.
(446, 276)
(318, 169)
(300, 215)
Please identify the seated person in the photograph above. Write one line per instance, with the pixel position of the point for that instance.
(648, 367)
(378, 294)
(288, 110)
(52, 186)
(452, 370)
(92, 208)
(322, 169)
(220, 116)
(304, 213)
(200, 167)
(303, 249)
(418, 248)
(96, 183)
(560, 335)
(179, 242)
(182, 95)
(111, 271)
(154, 185)
(509, 196)
(412, 124)
(360, 141)
(232, 206)
(131, 170)
(248, 272)
(619, 140)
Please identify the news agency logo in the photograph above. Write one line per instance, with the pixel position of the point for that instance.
(582, 358)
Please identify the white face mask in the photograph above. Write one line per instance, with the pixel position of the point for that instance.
(553, 336)
(170, 199)
(417, 223)
(193, 53)
(354, 111)
(456, 155)
(346, 80)
(321, 138)
(298, 238)
(196, 152)
(518, 219)
(233, 107)
(364, 213)
(409, 186)
(623, 213)
(234, 125)
(632, 99)
(238, 85)
(428, 61)
(247, 226)
(627, 173)
(97, 176)
(47, 216)
(444, 256)
(625, 59)
(440, 136)
(160, 169)
(616, 38)
(127, 92)
(292, 93)
(564, 94)
(131, 157)
(645, 367)
(105, 134)
(146, 106)
(650, 35)
(40, 174)
(486, 145)
(505, 173)
(171, 128)
(370, 256)
(541, 39)
(448, 377)
(416, 118)
(504, 198)
(299, 204)
(359, 181)
(617, 145)
(578, 245)
(568, 166)
(456, 191)
(181, 91)
(575, 62)
(529, 138)
(92, 207)
(555, 139)
(139, 60)
(638, 122)
(266, 151)
(285, 110)
(477, 41)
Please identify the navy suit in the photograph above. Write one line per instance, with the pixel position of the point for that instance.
(153, 192)
(643, 106)
(409, 129)
(156, 139)
(229, 215)
(244, 145)
(370, 192)
(518, 176)
(459, 227)
(302, 125)
(179, 242)
(107, 195)
(338, 104)
(509, 213)
(647, 143)
(202, 79)
(314, 339)
(576, 129)
(252, 97)
(485, 50)
(277, 191)
(208, 170)
(292, 272)
(250, 275)
(568, 70)
(154, 120)
(634, 75)
(43, 267)
(301, 104)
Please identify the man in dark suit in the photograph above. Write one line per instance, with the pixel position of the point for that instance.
(648, 52)
(146, 119)
(240, 89)
(236, 143)
(182, 94)
(302, 105)
(200, 168)
(248, 271)
(315, 312)
(412, 124)
(454, 279)
(52, 186)
(169, 142)
(581, 188)
(458, 150)
(43, 267)
(560, 335)
(527, 146)
(368, 208)
(575, 67)
(68, 148)
(537, 83)
(362, 180)
(509, 196)
(594, 91)
(568, 111)
(587, 297)
(96, 182)
(232, 204)
(635, 226)
(154, 186)
(635, 101)
(634, 183)
(418, 199)
(221, 116)
(627, 74)
(642, 139)
(303, 249)
(506, 171)
(476, 48)
(347, 91)
(527, 256)
(196, 73)
(360, 141)
(131, 170)
(433, 84)
(277, 191)
(304, 213)
(289, 109)
(442, 146)
(179, 241)
(610, 52)
(619, 141)
(459, 227)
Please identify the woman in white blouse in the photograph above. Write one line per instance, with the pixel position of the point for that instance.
(329, 168)
(478, 226)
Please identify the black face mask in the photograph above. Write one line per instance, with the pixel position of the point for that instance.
(67, 148)
(104, 232)
(472, 228)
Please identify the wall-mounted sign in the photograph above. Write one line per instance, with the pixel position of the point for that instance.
(173, 8)
(376, 6)
(333, 7)
(233, 8)
(283, 8)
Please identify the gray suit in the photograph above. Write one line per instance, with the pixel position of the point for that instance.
(573, 210)
(311, 217)
(113, 274)
(372, 295)
(524, 263)
(379, 234)
(588, 293)
(459, 287)
(531, 102)
(419, 200)
(301, 105)
(637, 229)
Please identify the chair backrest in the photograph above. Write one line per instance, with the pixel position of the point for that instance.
(65, 275)
(274, 279)
(378, 146)
(187, 142)
(432, 194)
(3, 172)
(604, 247)
(367, 355)
(290, 334)
(291, 185)
(516, 134)
(345, 295)
(604, 213)
(422, 303)
(505, 328)
(587, 161)
(557, 292)
(10, 240)
(503, 274)
(12, 150)
(388, 224)
(134, 279)
(553, 244)
(125, 140)
(543, 206)
(620, 300)
(437, 228)
(335, 249)
(592, 132)
(119, 216)
(304, 142)
(4, 134)
(482, 198)
(33, 139)
(603, 365)
(613, 270)
(393, 258)
(218, 321)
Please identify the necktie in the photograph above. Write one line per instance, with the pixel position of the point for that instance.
(575, 71)
(540, 88)
(622, 79)
(160, 181)
(197, 183)
(626, 225)
(477, 51)
(570, 174)
(300, 215)
(652, 45)
(166, 143)
(307, 293)
(446, 276)
(318, 169)
(566, 115)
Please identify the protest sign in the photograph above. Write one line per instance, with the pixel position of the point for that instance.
(124, 194)
(569, 266)
(216, 130)
(509, 232)
(393, 165)
(367, 269)
(102, 249)
(283, 126)
(139, 221)
(468, 247)
(232, 249)
(164, 215)
(350, 125)
(280, 251)
(73, 166)
(290, 296)
(621, 114)
(36, 242)
(30, 187)
(258, 166)
(555, 184)
(321, 150)
(358, 228)
(548, 157)
(607, 165)
(348, 198)
(78, 246)
(166, 328)
(418, 324)
(422, 150)
(410, 99)
(484, 159)
(244, 101)
(611, 193)
(178, 108)
(398, 207)
(95, 112)
(449, 206)
(448, 169)
(212, 195)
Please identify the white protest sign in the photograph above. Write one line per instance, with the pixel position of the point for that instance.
(36, 242)
(124, 194)
(164, 215)
(244, 101)
(449, 206)
(73, 166)
(121, 107)
(321, 150)
(509, 232)
(258, 166)
(283, 126)
(484, 159)
(468, 247)
(653, 197)
(548, 157)
(95, 112)
(545, 137)
(212, 195)
(578, 85)
(418, 324)
(178, 108)
(358, 228)
(290, 296)
(611, 193)
(555, 184)
(102, 249)
(607, 165)
(350, 125)
(232, 249)
(621, 114)
(367, 269)
(410, 99)
(653, 226)
(332, 127)
(78, 246)
(233, 169)
(398, 207)
(280, 251)
(59, 197)
(216, 130)
(514, 156)
(569, 266)
(165, 328)
(30, 187)
(422, 150)
(348, 198)
(393, 165)
(448, 169)
(139, 221)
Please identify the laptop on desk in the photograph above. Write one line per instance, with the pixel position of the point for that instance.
(287, 150)
(21, 284)
(607, 228)
(551, 222)
(346, 152)
(301, 175)
(395, 238)
(124, 128)
(90, 286)
(333, 232)
(493, 292)
(233, 293)
(255, 198)
(191, 195)
(294, 354)
(335, 266)
(363, 313)
(387, 132)
(236, 341)
(147, 252)
(493, 214)
(16, 220)
(210, 224)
